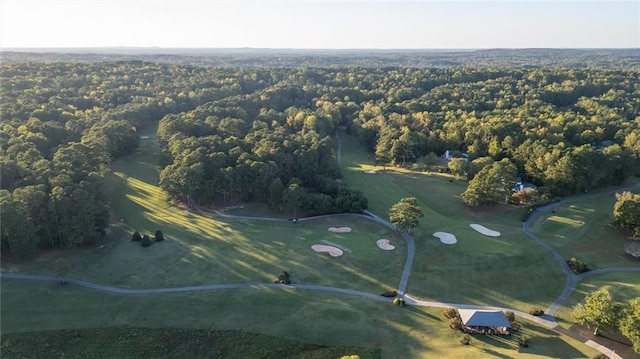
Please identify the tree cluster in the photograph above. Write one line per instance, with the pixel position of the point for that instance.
(62, 125)
(598, 311)
(626, 212)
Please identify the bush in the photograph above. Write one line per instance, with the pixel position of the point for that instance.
(146, 241)
(450, 313)
(398, 302)
(537, 312)
(284, 278)
(511, 317)
(159, 236)
(577, 266)
(523, 341)
(465, 340)
(390, 293)
(455, 323)
(515, 327)
(136, 237)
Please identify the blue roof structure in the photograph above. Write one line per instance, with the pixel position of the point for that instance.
(483, 318)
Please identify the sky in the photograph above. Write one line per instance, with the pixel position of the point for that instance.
(320, 24)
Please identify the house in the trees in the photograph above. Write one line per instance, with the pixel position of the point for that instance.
(484, 321)
(451, 154)
(522, 186)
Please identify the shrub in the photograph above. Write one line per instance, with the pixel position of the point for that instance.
(390, 293)
(450, 313)
(146, 241)
(536, 312)
(523, 341)
(159, 236)
(136, 237)
(455, 323)
(350, 357)
(511, 317)
(284, 278)
(465, 340)
(577, 266)
(515, 327)
(398, 302)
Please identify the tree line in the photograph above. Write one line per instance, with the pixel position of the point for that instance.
(233, 134)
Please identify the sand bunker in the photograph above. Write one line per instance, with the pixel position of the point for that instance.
(340, 229)
(333, 251)
(370, 172)
(384, 244)
(484, 230)
(144, 137)
(343, 248)
(446, 238)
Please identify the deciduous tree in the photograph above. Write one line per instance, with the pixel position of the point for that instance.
(406, 213)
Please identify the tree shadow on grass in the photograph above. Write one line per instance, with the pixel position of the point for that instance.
(418, 311)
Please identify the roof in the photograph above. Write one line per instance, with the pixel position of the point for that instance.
(483, 318)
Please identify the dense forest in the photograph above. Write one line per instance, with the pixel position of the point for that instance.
(268, 133)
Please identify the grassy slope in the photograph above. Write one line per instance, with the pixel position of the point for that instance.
(201, 250)
(321, 318)
(507, 271)
(582, 229)
(622, 286)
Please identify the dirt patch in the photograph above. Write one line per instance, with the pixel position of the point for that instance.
(484, 230)
(446, 238)
(333, 251)
(611, 339)
(384, 244)
(340, 229)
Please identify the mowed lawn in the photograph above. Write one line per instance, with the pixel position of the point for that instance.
(583, 229)
(316, 317)
(202, 250)
(508, 271)
(622, 287)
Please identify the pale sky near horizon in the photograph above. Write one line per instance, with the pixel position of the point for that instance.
(320, 24)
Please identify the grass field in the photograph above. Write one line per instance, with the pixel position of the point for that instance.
(509, 271)
(583, 229)
(622, 286)
(321, 318)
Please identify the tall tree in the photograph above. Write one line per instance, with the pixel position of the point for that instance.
(597, 311)
(492, 184)
(406, 214)
(630, 323)
(626, 211)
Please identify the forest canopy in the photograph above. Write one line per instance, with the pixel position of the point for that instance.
(268, 133)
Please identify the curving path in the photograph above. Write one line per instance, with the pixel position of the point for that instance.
(547, 320)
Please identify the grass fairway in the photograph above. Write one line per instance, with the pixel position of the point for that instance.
(202, 250)
(321, 318)
(582, 229)
(622, 286)
(509, 270)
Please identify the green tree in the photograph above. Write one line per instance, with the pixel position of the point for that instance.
(630, 323)
(626, 211)
(491, 185)
(458, 166)
(597, 311)
(406, 213)
(159, 237)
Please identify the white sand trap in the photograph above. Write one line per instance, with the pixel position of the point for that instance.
(446, 238)
(340, 229)
(333, 251)
(343, 248)
(370, 172)
(384, 244)
(144, 137)
(484, 230)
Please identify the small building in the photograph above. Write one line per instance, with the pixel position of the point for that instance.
(451, 154)
(484, 321)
